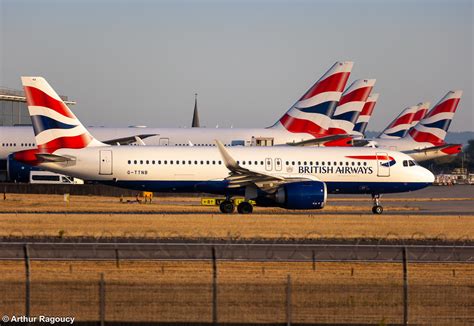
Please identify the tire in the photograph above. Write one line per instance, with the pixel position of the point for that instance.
(227, 207)
(245, 208)
(377, 210)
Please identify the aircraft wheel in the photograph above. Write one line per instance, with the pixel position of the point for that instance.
(245, 208)
(227, 207)
(377, 209)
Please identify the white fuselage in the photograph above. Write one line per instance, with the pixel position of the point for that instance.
(185, 169)
(14, 139)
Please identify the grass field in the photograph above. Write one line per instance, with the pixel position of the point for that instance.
(167, 219)
(247, 292)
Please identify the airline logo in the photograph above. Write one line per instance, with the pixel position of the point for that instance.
(433, 128)
(384, 160)
(399, 127)
(55, 126)
(365, 115)
(351, 104)
(312, 113)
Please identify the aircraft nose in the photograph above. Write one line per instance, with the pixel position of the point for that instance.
(428, 176)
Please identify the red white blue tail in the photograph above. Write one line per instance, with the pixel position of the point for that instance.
(365, 115)
(433, 128)
(312, 113)
(350, 106)
(400, 126)
(55, 126)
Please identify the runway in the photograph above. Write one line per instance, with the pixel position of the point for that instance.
(237, 252)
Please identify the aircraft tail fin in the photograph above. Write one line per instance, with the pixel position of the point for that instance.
(400, 126)
(434, 126)
(350, 106)
(54, 125)
(365, 115)
(312, 113)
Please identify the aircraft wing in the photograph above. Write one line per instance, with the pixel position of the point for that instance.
(128, 140)
(319, 141)
(455, 148)
(241, 177)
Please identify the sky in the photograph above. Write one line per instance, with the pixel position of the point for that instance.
(140, 62)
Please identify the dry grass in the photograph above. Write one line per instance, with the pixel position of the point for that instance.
(33, 203)
(247, 292)
(220, 226)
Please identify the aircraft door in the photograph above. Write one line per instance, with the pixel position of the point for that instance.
(164, 141)
(105, 162)
(278, 165)
(268, 164)
(383, 164)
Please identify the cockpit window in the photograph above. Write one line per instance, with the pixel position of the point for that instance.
(405, 163)
(412, 163)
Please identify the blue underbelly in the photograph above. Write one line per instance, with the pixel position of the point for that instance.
(220, 187)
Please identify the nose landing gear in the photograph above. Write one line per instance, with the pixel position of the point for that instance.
(377, 208)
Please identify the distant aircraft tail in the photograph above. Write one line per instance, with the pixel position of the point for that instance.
(433, 128)
(350, 106)
(312, 113)
(365, 115)
(54, 125)
(409, 117)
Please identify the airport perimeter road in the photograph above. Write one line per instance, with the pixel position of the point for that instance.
(235, 251)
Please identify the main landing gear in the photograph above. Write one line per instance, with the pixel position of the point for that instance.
(377, 208)
(228, 207)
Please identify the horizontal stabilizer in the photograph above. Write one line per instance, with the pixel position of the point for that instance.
(319, 141)
(54, 158)
(128, 140)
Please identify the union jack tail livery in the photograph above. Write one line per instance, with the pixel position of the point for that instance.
(433, 128)
(365, 115)
(421, 113)
(54, 125)
(350, 106)
(312, 113)
(409, 117)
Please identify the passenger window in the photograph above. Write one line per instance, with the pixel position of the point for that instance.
(141, 161)
(129, 162)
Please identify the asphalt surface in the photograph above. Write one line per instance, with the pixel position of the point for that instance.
(236, 251)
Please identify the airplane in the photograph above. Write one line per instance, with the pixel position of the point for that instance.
(286, 176)
(308, 119)
(425, 140)
(363, 120)
(407, 119)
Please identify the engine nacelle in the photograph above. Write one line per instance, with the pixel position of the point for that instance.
(298, 195)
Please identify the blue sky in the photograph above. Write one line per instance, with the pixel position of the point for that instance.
(140, 62)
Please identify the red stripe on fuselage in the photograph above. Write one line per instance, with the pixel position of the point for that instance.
(372, 157)
(334, 83)
(296, 125)
(36, 97)
(357, 95)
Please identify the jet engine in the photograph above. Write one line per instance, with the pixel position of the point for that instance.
(298, 195)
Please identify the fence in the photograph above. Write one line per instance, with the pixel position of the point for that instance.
(223, 292)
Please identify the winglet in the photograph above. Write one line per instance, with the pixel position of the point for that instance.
(229, 162)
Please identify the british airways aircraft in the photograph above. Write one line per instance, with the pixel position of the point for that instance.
(285, 176)
(425, 140)
(308, 119)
